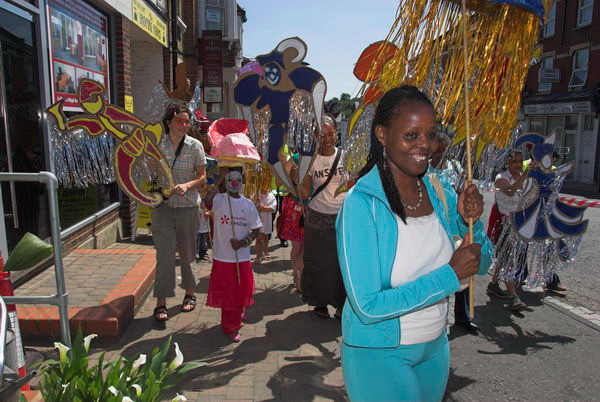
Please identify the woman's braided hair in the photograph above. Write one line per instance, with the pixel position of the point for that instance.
(391, 104)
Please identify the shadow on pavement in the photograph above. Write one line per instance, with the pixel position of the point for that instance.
(272, 301)
(305, 378)
(301, 333)
(456, 383)
(494, 315)
(275, 265)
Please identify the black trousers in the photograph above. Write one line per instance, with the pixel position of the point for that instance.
(461, 306)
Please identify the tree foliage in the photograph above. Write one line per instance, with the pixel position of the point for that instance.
(343, 105)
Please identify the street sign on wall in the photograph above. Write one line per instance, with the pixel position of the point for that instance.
(211, 55)
(559, 108)
(549, 75)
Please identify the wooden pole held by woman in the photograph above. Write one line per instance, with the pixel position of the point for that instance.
(465, 25)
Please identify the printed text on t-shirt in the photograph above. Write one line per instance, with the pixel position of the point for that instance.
(325, 172)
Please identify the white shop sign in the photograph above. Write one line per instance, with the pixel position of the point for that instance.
(559, 108)
(549, 75)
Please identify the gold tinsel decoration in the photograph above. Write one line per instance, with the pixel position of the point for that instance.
(258, 180)
(501, 39)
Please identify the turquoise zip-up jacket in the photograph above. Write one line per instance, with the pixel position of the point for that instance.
(367, 235)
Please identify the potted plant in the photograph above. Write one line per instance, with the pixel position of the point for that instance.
(70, 378)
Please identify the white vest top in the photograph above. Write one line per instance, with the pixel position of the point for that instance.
(423, 246)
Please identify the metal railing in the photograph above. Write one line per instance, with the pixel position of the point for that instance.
(90, 219)
(3, 321)
(59, 299)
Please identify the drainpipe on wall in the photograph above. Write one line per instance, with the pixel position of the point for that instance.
(174, 47)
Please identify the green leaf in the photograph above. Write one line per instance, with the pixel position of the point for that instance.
(91, 383)
(190, 366)
(160, 357)
(29, 252)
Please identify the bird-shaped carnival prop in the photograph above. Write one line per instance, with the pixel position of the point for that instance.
(135, 138)
(282, 100)
(544, 230)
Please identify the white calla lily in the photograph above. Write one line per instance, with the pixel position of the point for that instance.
(138, 389)
(87, 340)
(113, 390)
(177, 360)
(62, 351)
(138, 362)
(179, 398)
(126, 399)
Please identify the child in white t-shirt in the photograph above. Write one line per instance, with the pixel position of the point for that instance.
(267, 204)
(203, 234)
(236, 225)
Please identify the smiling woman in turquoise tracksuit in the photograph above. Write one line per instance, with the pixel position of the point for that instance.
(397, 232)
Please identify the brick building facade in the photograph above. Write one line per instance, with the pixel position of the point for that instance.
(134, 46)
(561, 92)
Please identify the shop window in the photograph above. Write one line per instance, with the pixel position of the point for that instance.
(215, 14)
(75, 205)
(161, 4)
(546, 63)
(580, 68)
(588, 122)
(180, 9)
(571, 122)
(550, 26)
(536, 124)
(553, 122)
(584, 12)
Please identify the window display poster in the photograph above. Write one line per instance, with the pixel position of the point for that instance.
(78, 48)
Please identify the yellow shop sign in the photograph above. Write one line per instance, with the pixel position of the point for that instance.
(145, 18)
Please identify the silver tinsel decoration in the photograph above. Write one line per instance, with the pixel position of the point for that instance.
(491, 162)
(81, 160)
(541, 258)
(260, 133)
(356, 144)
(301, 123)
(195, 103)
(160, 101)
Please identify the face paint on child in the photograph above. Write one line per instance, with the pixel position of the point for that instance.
(233, 182)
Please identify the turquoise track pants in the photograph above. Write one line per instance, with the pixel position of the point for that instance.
(407, 373)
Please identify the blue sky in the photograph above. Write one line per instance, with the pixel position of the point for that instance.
(336, 32)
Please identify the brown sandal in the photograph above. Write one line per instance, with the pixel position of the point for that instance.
(188, 301)
(160, 310)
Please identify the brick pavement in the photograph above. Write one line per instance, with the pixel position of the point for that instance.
(286, 352)
(86, 287)
(289, 354)
(104, 288)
